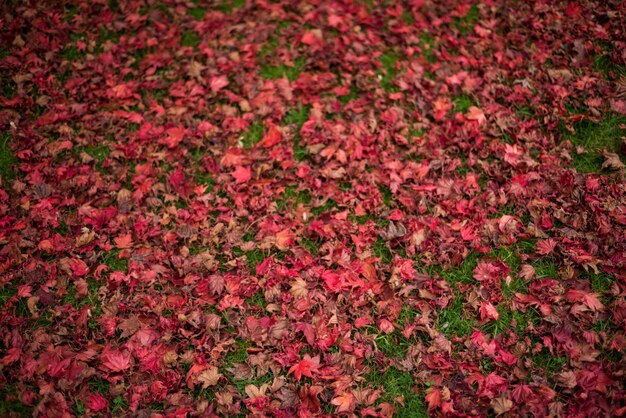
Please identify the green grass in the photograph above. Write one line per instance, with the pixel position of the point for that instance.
(239, 354)
(268, 48)
(4, 52)
(610, 69)
(601, 283)
(138, 56)
(463, 102)
(548, 363)
(396, 383)
(273, 72)
(197, 12)
(386, 195)
(228, 6)
(253, 258)
(108, 35)
(119, 404)
(253, 135)
(407, 18)
(205, 179)
(70, 12)
(465, 24)
(291, 198)
(393, 345)
(190, 39)
(427, 45)
(310, 245)
(258, 299)
(297, 117)
(508, 320)
(268, 378)
(382, 251)
(453, 321)
(8, 87)
(98, 152)
(525, 111)
(328, 205)
(388, 62)
(7, 159)
(7, 291)
(545, 267)
(463, 273)
(112, 260)
(72, 298)
(114, 5)
(353, 94)
(604, 325)
(10, 404)
(70, 53)
(594, 137)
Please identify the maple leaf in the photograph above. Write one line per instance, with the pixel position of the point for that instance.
(433, 398)
(618, 106)
(284, 239)
(588, 299)
(546, 246)
(124, 241)
(332, 280)
(129, 326)
(345, 402)
(611, 160)
(501, 405)
(209, 377)
(488, 311)
(394, 230)
(526, 271)
(96, 402)
(305, 367)
(241, 174)
(13, 355)
(23, 291)
(385, 326)
(474, 113)
(271, 138)
(174, 137)
(298, 288)
(218, 83)
(116, 361)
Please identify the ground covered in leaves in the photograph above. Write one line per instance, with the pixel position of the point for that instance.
(290, 209)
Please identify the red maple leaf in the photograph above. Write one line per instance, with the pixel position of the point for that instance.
(116, 361)
(271, 138)
(305, 367)
(174, 137)
(588, 299)
(434, 398)
(241, 174)
(97, 402)
(218, 83)
(546, 246)
(488, 311)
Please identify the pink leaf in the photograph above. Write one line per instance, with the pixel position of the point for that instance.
(124, 241)
(241, 174)
(174, 137)
(116, 361)
(97, 402)
(218, 83)
(488, 311)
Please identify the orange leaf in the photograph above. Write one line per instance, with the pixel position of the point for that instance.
(345, 402)
(124, 241)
